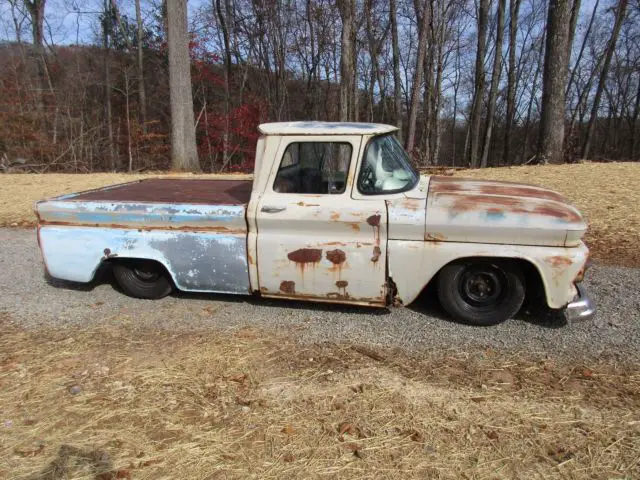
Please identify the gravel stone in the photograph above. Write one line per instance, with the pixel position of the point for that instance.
(32, 300)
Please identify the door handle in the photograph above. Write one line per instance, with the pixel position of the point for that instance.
(271, 209)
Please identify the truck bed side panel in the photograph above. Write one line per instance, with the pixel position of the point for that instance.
(197, 261)
(146, 216)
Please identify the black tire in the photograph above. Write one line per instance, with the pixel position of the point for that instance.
(142, 279)
(481, 292)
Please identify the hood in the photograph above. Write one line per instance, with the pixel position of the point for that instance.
(479, 211)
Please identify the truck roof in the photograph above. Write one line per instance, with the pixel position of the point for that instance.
(325, 128)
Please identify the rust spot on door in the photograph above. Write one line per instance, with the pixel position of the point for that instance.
(302, 204)
(355, 226)
(376, 254)
(288, 286)
(374, 220)
(305, 255)
(336, 256)
(342, 284)
(251, 260)
(334, 216)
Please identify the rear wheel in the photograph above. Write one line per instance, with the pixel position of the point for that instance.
(481, 292)
(142, 279)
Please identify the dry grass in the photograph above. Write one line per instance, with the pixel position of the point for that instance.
(607, 193)
(246, 404)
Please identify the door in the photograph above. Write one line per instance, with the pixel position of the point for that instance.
(315, 241)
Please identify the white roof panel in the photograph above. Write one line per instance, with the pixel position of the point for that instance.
(325, 128)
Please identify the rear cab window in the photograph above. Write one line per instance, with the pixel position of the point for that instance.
(314, 167)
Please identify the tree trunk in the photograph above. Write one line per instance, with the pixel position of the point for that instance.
(573, 22)
(397, 93)
(514, 10)
(36, 13)
(347, 60)
(184, 155)
(418, 73)
(634, 124)
(222, 18)
(611, 45)
(478, 96)
(495, 79)
(107, 84)
(556, 63)
(583, 46)
(142, 96)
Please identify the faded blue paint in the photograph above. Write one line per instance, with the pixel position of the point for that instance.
(197, 261)
(144, 215)
(495, 216)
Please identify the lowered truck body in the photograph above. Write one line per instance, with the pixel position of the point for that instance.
(334, 213)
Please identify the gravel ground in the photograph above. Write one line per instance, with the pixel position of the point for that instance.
(31, 300)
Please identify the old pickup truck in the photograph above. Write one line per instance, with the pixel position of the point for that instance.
(335, 213)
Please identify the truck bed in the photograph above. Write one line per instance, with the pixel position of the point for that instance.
(173, 190)
(196, 228)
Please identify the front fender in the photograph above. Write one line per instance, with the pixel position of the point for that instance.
(412, 265)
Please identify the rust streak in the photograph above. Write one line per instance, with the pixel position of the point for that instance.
(147, 228)
(558, 261)
(355, 226)
(470, 203)
(434, 237)
(521, 191)
(334, 216)
(302, 204)
(342, 284)
(376, 254)
(550, 210)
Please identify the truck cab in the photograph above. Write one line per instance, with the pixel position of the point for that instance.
(335, 212)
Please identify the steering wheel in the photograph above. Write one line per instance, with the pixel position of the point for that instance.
(367, 178)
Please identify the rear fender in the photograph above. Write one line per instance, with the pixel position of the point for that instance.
(196, 261)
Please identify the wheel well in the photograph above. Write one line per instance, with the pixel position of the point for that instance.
(109, 262)
(534, 287)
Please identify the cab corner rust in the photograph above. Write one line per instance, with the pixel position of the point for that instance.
(288, 287)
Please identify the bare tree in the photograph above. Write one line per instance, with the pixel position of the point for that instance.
(608, 54)
(422, 12)
(397, 93)
(495, 79)
(514, 10)
(184, 155)
(142, 96)
(347, 60)
(478, 95)
(554, 77)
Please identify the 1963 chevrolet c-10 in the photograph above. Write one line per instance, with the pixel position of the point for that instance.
(335, 213)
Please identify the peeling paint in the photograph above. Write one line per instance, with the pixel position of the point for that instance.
(288, 286)
(305, 255)
(376, 254)
(336, 256)
(374, 220)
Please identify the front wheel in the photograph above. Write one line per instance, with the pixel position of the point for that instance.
(142, 279)
(481, 292)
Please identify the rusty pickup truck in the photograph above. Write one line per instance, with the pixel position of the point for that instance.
(335, 213)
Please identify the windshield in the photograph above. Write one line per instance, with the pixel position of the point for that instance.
(386, 168)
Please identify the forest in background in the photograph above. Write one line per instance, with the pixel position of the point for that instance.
(469, 83)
